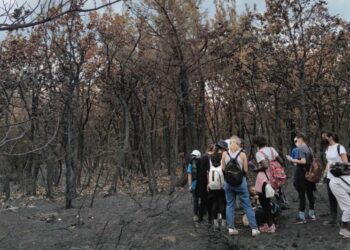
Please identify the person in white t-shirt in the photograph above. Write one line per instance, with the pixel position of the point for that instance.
(334, 153)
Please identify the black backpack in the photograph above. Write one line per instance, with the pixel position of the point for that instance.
(233, 174)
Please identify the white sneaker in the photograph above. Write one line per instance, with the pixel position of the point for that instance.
(223, 223)
(255, 232)
(232, 231)
(344, 232)
(219, 216)
(195, 218)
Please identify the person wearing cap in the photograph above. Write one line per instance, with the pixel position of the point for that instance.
(192, 171)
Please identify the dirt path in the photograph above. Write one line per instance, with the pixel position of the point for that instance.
(161, 222)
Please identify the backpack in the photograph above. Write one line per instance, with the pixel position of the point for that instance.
(315, 172)
(278, 176)
(338, 169)
(216, 177)
(233, 174)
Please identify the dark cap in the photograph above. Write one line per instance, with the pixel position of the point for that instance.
(222, 144)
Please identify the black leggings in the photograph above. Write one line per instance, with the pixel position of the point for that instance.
(218, 203)
(310, 196)
(304, 188)
(266, 206)
(204, 205)
(333, 205)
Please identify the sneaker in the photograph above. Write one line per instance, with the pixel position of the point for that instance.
(264, 228)
(195, 218)
(330, 223)
(255, 232)
(216, 224)
(345, 233)
(311, 215)
(300, 218)
(272, 229)
(219, 216)
(232, 231)
(223, 223)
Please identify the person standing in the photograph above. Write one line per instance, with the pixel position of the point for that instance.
(340, 188)
(237, 158)
(334, 153)
(264, 155)
(216, 193)
(192, 176)
(303, 186)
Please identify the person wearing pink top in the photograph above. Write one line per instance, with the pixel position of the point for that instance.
(263, 156)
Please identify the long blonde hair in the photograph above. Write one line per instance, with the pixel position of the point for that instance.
(235, 140)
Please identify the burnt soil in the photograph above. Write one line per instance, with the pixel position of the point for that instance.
(145, 222)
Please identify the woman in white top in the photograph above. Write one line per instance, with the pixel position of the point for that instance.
(334, 153)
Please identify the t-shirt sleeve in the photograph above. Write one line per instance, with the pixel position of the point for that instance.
(302, 154)
(260, 157)
(342, 150)
(189, 169)
(295, 153)
(275, 153)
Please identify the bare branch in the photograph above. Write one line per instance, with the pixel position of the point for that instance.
(21, 23)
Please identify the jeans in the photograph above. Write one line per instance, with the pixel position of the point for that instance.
(242, 192)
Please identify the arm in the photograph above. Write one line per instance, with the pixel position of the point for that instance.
(189, 178)
(301, 161)
(344, 158)
(223, 165)
(280, 160)
(245, 162)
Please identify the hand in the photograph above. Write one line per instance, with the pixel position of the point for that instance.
(289, 158)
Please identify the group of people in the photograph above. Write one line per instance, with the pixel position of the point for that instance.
(219, 177)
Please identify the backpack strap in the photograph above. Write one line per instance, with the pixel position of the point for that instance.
(238, 154)
(338, 149)
(229, 155)
(347, 183)
(311, 154)
(273, 155)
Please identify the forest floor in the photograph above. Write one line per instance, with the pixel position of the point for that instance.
(163, 221)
